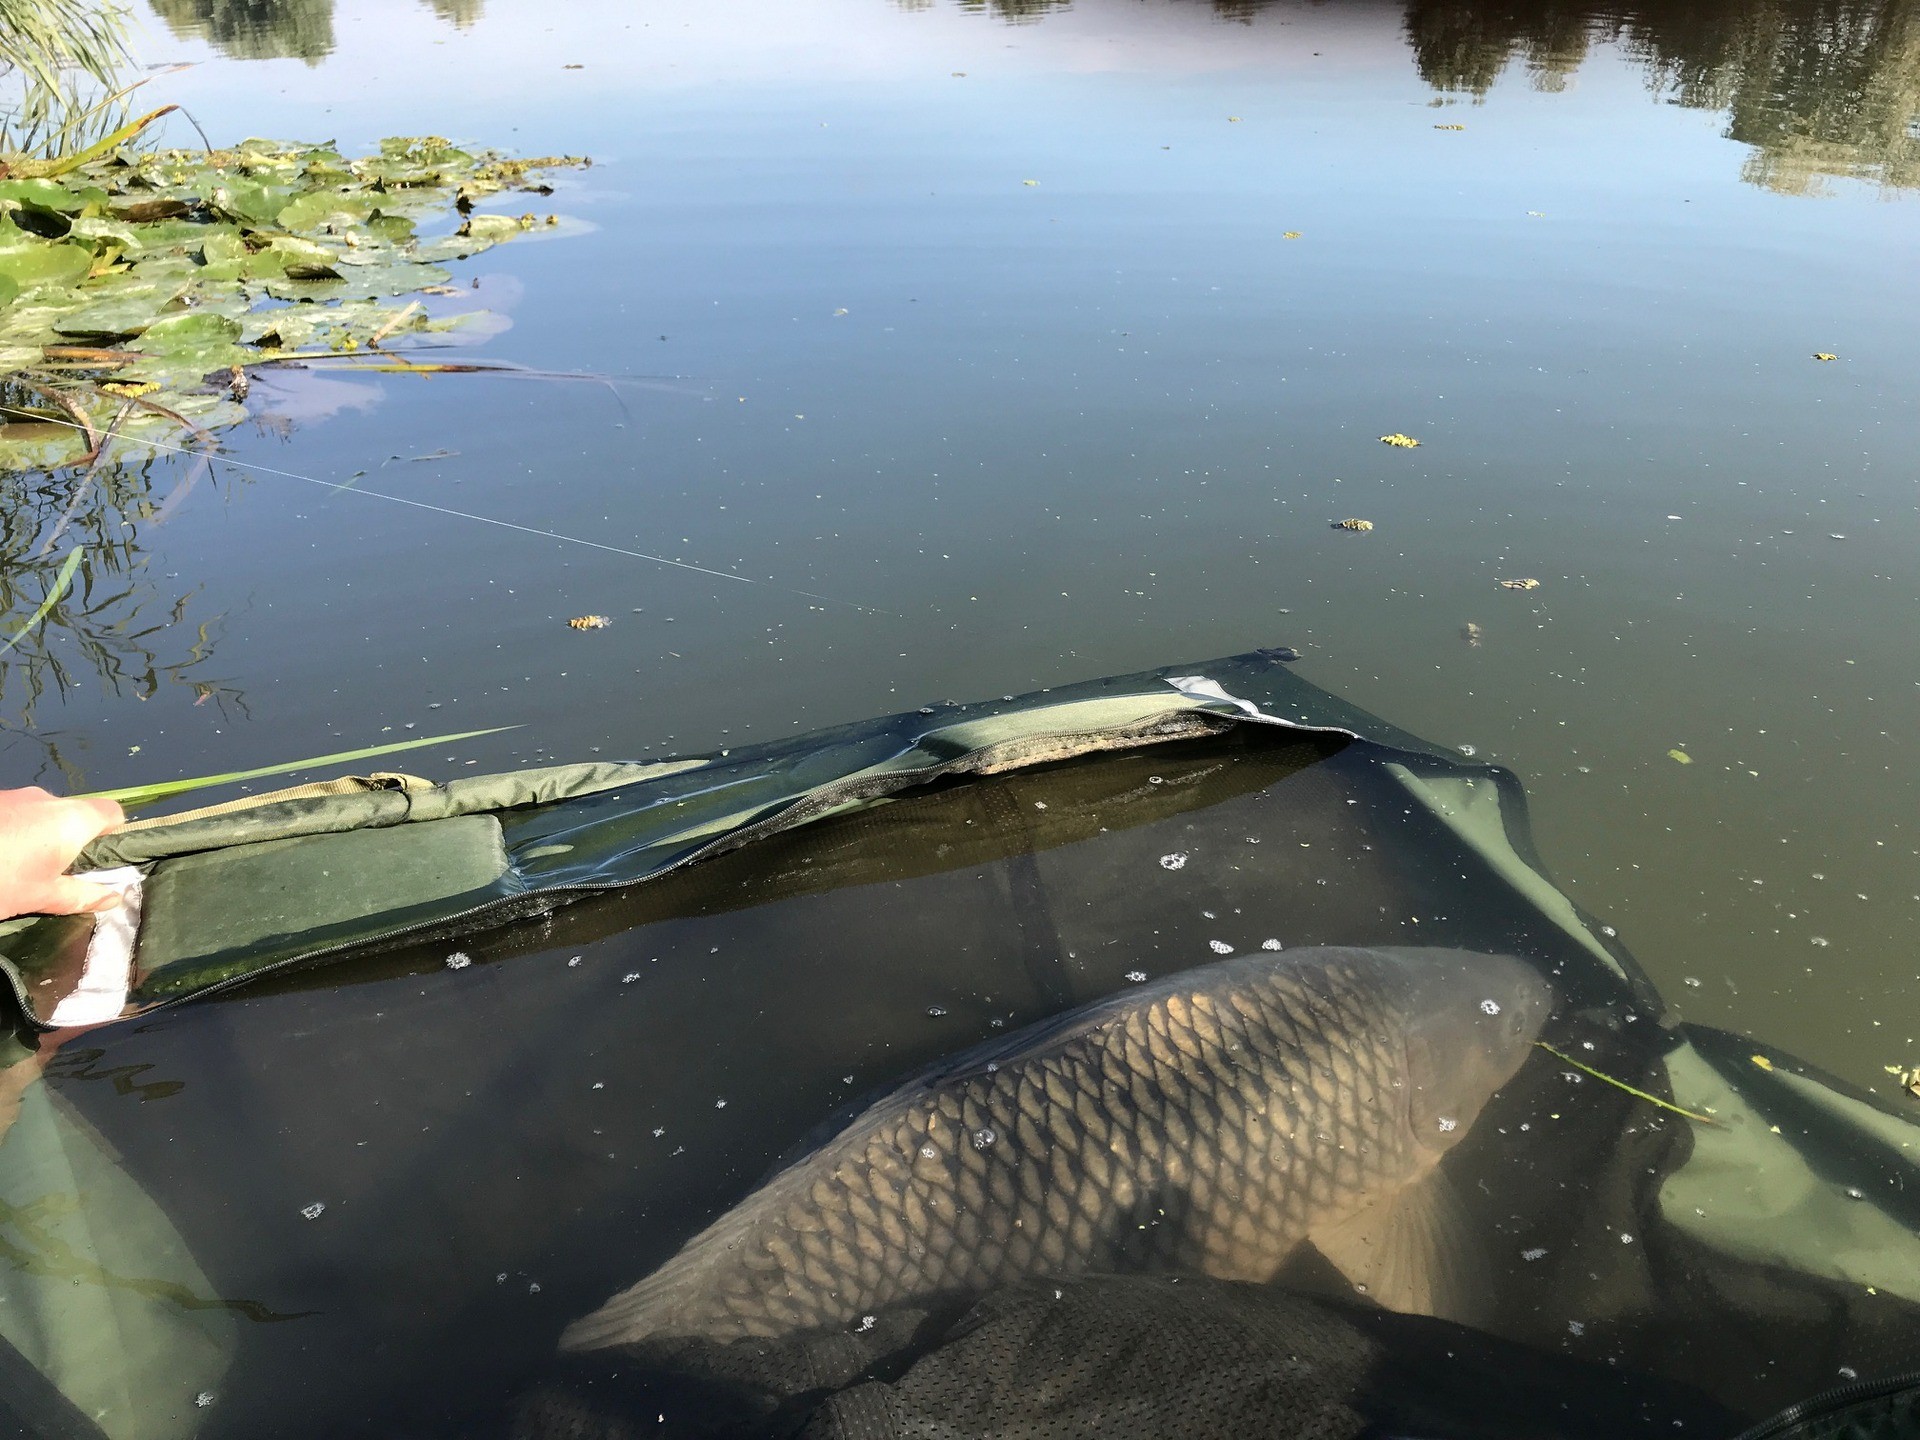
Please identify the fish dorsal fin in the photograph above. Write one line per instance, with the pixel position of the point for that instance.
(1412, 1251)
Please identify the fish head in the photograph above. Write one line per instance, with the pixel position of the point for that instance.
(1470, 1022)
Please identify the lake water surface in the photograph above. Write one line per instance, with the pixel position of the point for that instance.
(980, 348)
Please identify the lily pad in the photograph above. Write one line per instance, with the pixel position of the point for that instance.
(42, 195)
(180, 334)
(45, 264)
(129, 311)
(9, 288)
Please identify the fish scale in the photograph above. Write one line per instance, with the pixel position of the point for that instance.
(1208, 1123)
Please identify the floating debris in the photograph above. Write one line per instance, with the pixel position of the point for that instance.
(1471, 633)
(1908, 1076)
(1824, 355)
(1289, 234)
(1399, 441)
(1175, 861)
(1278, 654)
(313, 1211)
(590, 622)
(1449, 127)
(1528, 584)
(1762, 1061)
(1353, 524)
(1679, 757)
(459, 960)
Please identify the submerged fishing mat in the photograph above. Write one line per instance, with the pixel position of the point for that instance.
(505, 1046)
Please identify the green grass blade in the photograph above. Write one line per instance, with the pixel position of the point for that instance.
(141, 794)
(60, 584)
(52, 169)
(1622, 1085)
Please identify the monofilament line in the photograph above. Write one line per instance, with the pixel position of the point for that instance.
(460, 514)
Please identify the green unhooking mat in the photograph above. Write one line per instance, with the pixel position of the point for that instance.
(507, 1044)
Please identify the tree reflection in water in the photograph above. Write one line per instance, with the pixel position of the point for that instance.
(1818, 88)
(114, 623)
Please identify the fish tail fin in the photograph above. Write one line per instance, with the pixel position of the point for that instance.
(1412, 1251)
(684, 1295)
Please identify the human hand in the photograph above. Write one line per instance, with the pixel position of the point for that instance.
(39, 836)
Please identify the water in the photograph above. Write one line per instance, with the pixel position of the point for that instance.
(1005, 434)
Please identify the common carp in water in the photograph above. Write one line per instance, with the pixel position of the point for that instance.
(1207, 1123)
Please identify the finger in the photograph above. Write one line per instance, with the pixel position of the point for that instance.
(68, 896)
(83, 819)
(107, 813)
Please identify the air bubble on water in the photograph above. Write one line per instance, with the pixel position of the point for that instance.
(1136, 976)
(313, 1211)
(1174, 861)
(1447, 1124)
(630, 977)
(929, 1152)
(599, 1084)
(1690, 982)
(658, 1131)
(1469, 750)
(867, 1322)
(1847, 1372)
(533, 1287)
(1208, 915)
(1039, 804)
(993, 1067)
(936, 1011)
(1608, 930)
(983, 1138)
(1819, 940)
(720, 1104)
(1854, 1192)
(1253, 839)
(1489, 1007)
(1818, 876)
(1625, 1238)
(996, 1022)
(459, 960)
(1220, 947)
(1270, 945)
(575, 961)
(203, 1399)
(501, 1278)
(846, 1079)
(1576, 1327)
(1156, 779)
(1539, 1252)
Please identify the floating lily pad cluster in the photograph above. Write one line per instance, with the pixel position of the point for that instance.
(140, 281)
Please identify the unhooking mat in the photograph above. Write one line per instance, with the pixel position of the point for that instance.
(506, 1043)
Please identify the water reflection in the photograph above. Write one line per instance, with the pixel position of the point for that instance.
(1819, 88)
(277, 29)
(111, 624)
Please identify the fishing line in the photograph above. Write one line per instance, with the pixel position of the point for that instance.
(457, 514)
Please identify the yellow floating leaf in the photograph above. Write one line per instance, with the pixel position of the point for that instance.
(1680, 756)
(1528, 584)
(1029, 182)
(1449, 127)
(1399, 441)
(1290, 235)
(590, 622)
(1233, 119)
(1823, 355)
(1353, 524)
(1761, 1061)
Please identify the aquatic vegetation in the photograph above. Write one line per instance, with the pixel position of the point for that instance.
(147, 283)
